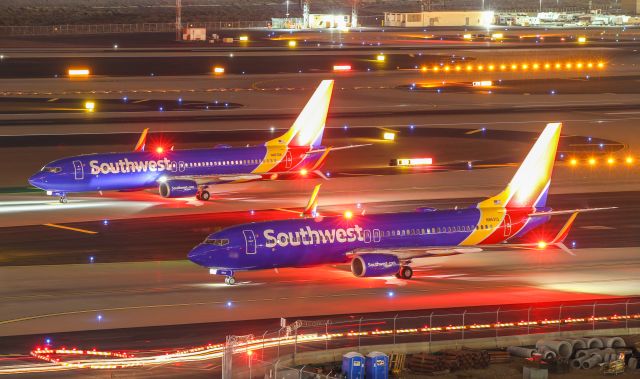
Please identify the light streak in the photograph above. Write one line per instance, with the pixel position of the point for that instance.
(101, 360)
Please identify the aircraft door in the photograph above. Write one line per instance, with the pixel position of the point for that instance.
(367, 236)
(507, 225)
(78, 170)
(250, 240)
(288, 160)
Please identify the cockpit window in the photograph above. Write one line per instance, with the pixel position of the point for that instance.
(216, 242)
(53, 170)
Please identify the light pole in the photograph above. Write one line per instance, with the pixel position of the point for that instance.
(287, 8)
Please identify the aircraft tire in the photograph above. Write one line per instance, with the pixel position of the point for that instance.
(405, 272)
(230, 280)
(205, 195)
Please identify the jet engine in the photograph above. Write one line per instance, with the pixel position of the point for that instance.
(178, 188)
(371, 265)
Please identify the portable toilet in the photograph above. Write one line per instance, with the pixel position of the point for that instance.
(353, 365)
(377, 365)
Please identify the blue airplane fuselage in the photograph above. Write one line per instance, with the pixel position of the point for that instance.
(140, 170)
(327, 240)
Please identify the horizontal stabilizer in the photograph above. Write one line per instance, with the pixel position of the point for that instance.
(337, 148)
(568, 211)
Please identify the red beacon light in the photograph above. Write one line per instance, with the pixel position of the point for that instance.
(542, 245)
(304, 172)
(159, 149)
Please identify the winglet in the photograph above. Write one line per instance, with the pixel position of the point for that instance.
(564, 231)
(142, 140)
(312, 205)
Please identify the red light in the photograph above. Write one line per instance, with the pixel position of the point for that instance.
(304, 172)
(249, 352)
(159, 149)
(348, 215)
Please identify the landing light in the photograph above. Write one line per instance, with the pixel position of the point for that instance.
(497, 35)
(218, 70)
(244, 38)
(381, 58)
(389, 136)
(89, 106)
(582, 39)
(466, 36)
(293, 43)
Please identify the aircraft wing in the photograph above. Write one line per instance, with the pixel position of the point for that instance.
(406, 255)
(216, 179)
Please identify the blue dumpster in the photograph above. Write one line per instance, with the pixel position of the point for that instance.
(353, 365)
(377, 365)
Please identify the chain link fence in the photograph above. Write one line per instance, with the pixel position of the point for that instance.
(157, 27)
(433, 328)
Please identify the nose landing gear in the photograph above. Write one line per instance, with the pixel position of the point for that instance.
(63, 198)
(230, 280)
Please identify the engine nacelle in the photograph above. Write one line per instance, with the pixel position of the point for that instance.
(371, 265)
(178, 188)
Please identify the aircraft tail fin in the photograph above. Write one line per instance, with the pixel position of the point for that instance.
(142, 140)
(311, 209)
(530, 185)
(308, 128)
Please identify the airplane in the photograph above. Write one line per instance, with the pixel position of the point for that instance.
(183, 173)
(379, 245)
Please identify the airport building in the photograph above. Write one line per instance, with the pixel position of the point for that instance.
(449, 18)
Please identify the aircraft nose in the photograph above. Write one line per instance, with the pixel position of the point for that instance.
(37, 180)
(199, 255)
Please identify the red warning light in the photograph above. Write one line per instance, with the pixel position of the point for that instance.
(159, 149)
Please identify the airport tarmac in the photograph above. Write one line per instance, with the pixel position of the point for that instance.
(48, 299)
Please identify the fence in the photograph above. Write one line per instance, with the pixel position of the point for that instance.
(157, 27)
(434, 326)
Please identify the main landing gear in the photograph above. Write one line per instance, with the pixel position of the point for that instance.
(405, 273)
(203, 194)
(63, 199)
(229, 280)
